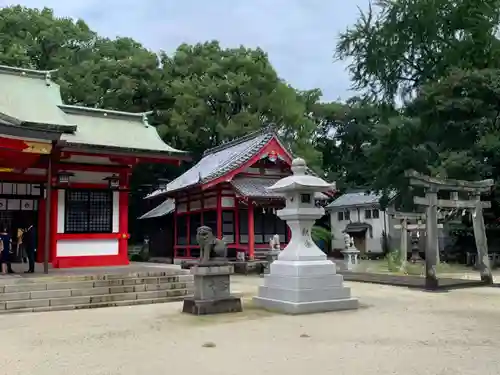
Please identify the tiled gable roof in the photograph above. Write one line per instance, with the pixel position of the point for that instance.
(357, 198)
(256, 187)
(163, 209)
(218, 161)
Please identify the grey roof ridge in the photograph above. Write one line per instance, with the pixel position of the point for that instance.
(15, 122)
(269, 129)
(81, 110)
(231, 164)
(33, 73)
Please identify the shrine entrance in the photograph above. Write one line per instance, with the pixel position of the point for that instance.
(19, 203)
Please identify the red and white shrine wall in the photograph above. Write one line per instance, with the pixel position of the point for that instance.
(245, 224)
(90, 221)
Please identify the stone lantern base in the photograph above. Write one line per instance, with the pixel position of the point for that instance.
(302, 287)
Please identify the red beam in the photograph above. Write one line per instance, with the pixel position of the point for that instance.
(93, 167)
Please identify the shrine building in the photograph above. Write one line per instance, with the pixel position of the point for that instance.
(66, 169)
(226, 190)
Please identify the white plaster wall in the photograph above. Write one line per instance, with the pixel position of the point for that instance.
(227, 201)
(61, 194)
(116, 212)
(87, 247)
(337, 229)
(210, 202)
(373, 244)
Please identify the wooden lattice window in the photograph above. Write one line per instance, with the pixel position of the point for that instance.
(88, 211)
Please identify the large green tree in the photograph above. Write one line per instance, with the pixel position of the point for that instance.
(344, 131)
(222, 93)
(400, 45)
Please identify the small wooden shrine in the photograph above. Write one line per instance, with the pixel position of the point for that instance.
(227, 190)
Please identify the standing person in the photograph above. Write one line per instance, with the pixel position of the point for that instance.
(29, 242)
(20, 253)
(6, 243)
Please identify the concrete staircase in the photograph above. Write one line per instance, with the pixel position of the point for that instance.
(91, 291)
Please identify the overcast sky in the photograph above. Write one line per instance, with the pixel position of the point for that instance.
(299, 35)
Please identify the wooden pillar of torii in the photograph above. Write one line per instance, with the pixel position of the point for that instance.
(431, 203)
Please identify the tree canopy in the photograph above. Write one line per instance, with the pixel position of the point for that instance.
(441, 57)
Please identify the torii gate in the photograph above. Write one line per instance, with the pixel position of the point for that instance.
(405, 227)
(431, 202)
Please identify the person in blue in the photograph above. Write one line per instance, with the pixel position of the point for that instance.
(5, 255)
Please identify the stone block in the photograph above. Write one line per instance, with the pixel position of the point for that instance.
(304, 295)
(205, 270)
(14, 296)
(152, 294)
(113, 297)
(89, 291)
(122, 289)
(71, 285)
(69, 301)
(302, 268)
(306, 307)
(178, 293)
(210, 287)
(140, 288)
(29, 303)
(50, 294)
(99, 283)
(206, 307)
(299, 283)
(24, 287)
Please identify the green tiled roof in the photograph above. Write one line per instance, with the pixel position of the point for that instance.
(113, 129)
(30, 97)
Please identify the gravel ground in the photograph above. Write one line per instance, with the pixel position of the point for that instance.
(397, 331)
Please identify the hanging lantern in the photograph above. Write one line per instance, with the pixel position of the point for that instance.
(113, 181)
(63, 177)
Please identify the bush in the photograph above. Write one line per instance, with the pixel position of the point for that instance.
(322, 237)
(394, 260)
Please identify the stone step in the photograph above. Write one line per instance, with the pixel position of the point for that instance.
(91, 300)
(13, 280)
(59, 293)
(131, 302)
(115, 282)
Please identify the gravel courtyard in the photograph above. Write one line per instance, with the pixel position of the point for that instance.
(397, 331)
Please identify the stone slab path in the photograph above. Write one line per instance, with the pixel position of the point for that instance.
(397, 331)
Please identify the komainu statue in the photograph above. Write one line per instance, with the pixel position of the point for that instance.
(210, 246)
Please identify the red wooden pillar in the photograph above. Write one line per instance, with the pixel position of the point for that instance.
(219, 213)
(251, 232)
(236, 221)
(175, 231)
(123, 200)
(53, 226)
(40, 249)
(187, 251)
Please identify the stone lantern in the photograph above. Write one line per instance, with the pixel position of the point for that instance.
(302, 279)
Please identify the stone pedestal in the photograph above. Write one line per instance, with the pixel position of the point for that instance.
(301, 287)
(351, 258)
(271, 256)
(302, 280)
(212, 294)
